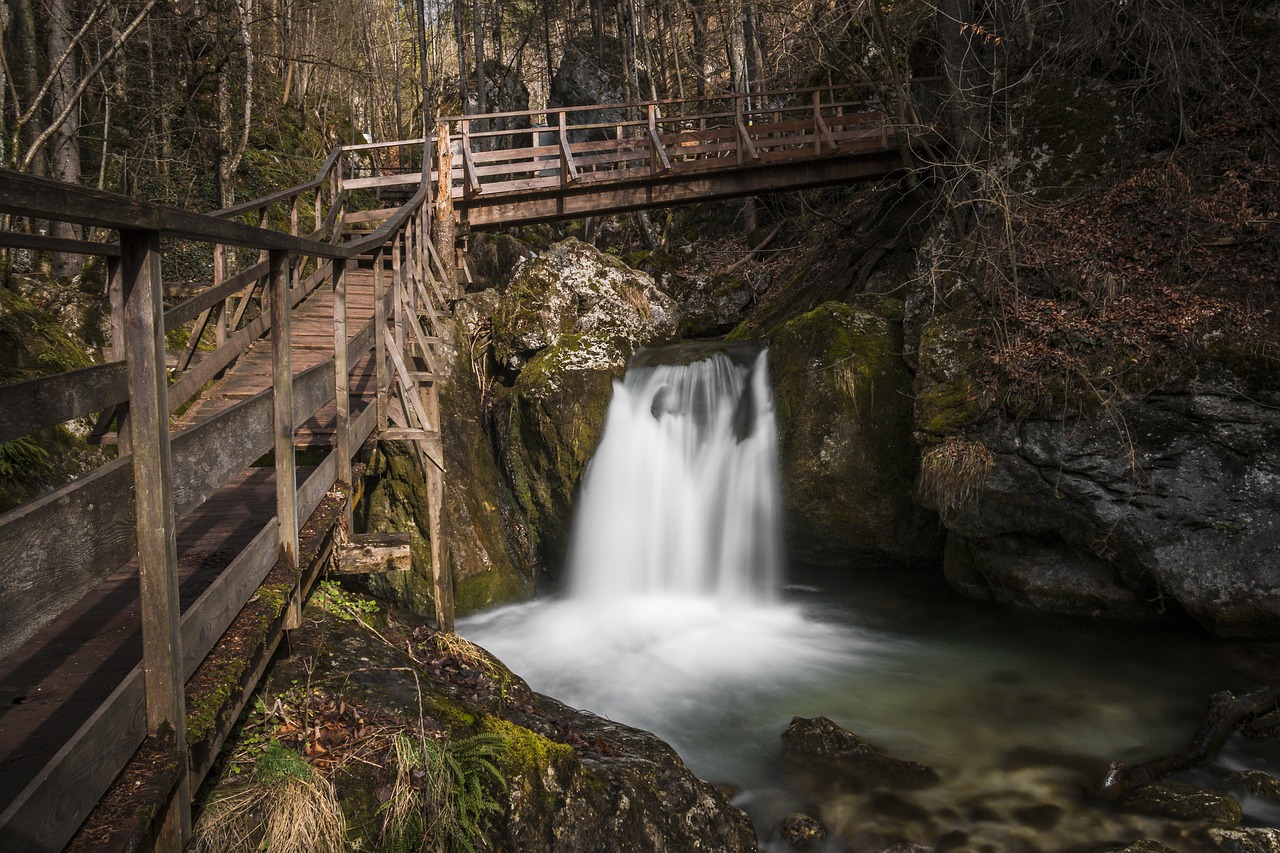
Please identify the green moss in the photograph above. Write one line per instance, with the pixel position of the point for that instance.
(530, 759)
(947, 397)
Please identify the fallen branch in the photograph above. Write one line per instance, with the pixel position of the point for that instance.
(1227, 713)
(742, 262)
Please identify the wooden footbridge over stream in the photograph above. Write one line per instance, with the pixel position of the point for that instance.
(143, 600)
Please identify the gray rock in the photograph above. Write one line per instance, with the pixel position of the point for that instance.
(1254, 840)
(1185, 802)
(801, 831)
(1169, 504)
(820, 740)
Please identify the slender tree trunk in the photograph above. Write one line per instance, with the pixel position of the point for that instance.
(462, 54)
(478, 28)
(231, 151)
(64, 143)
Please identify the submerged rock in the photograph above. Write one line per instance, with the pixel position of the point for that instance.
(849, 464)
(801, 831)
(820, 740)
(1185, 802)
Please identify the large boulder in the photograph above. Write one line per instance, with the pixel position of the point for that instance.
(839, 752)
(568, 321)
(1165, 504)
(844, 421)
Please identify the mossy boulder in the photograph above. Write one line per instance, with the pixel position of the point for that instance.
(818, 743)
(947, 398)
(573, 782)
(573, 288)
(552, 420)
(1185, 802)
(848, 460)
(710, 303)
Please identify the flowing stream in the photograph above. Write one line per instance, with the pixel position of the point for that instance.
(676, 618)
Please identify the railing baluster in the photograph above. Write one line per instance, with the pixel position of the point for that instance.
(379, 328)
(342, 380)
(282, 383)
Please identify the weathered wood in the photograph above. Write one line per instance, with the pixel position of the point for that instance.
(379, 338)
(373, 553)
(159, 605)
(342, 381)
(37, 403)
(568, 168)
(185, 311)
(282, 383)
(43, 243)
(51, 808)
(368, 215)
(379, 181)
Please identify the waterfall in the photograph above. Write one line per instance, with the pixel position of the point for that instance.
(682, 495)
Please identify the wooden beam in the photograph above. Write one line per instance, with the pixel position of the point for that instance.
(42, 243)
(374, 553)
(342, 381)
(160, 608)
(568, 168)
(282, 383)
(38, 403)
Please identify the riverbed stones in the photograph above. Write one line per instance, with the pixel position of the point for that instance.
(843, 397)
(1245, 840)
(801, 832)
(819, 741)
(1180, 801)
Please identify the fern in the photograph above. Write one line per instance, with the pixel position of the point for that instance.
(443, 790)
(24, 460)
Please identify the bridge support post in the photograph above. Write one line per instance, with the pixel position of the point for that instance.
(153, 489)
(445, 226)
(342, 381)
(278, 280)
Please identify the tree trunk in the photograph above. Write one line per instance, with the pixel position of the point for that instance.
(64, 143)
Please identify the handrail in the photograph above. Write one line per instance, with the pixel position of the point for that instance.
(268, 200)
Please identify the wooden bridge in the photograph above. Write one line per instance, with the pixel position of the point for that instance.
(143, 601)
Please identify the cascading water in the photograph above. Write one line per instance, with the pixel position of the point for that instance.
(682, 497)
(672, 620)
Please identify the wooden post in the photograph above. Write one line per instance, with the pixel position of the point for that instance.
(341, 379)
(445, 225)
(379, 338)
(319, 207)
(220, 275)
(153, 489)
(817, 124)
(397, 288)
(442, 578)
(118, 352)
(282, 384)
(296, 268)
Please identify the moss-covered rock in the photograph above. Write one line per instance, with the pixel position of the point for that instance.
(568, 322)
(573, 782)
(572, 288)
(1185, 802)
(710, 303)
(947, 399)
(844, 419)
(553, 419)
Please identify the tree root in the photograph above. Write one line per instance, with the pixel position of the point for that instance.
(1227, 713)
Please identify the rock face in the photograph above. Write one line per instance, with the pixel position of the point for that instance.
(844, 418)
(710, 303)
(590, 73)
(568, 322)
(1184, 802)
(1170, 503)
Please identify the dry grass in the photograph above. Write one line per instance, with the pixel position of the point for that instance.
(634, 297)
(953, 473)
(286, 815)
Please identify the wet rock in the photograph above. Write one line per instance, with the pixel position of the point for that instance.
(908, 847)
(843, 400)
(1143, 846)
(801, 831)
(1252, 840)
(1185, 802)
(710, 303)
(822, 741)
(1254, 783)
(1266, 727)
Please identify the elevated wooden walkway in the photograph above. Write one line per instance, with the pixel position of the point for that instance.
(137, 593)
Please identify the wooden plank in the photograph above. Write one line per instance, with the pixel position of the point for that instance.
(37, 403)
(372, 553)
(407, 383)
(406, 434)
(568, 168)
(51, 808)
(44, 243)
(317, 485)
(368, 215)
(342, 382)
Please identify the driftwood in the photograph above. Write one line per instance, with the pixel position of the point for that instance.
(1227, 713)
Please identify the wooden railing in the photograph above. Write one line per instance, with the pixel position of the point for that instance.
(530, 151)
(55, 549)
